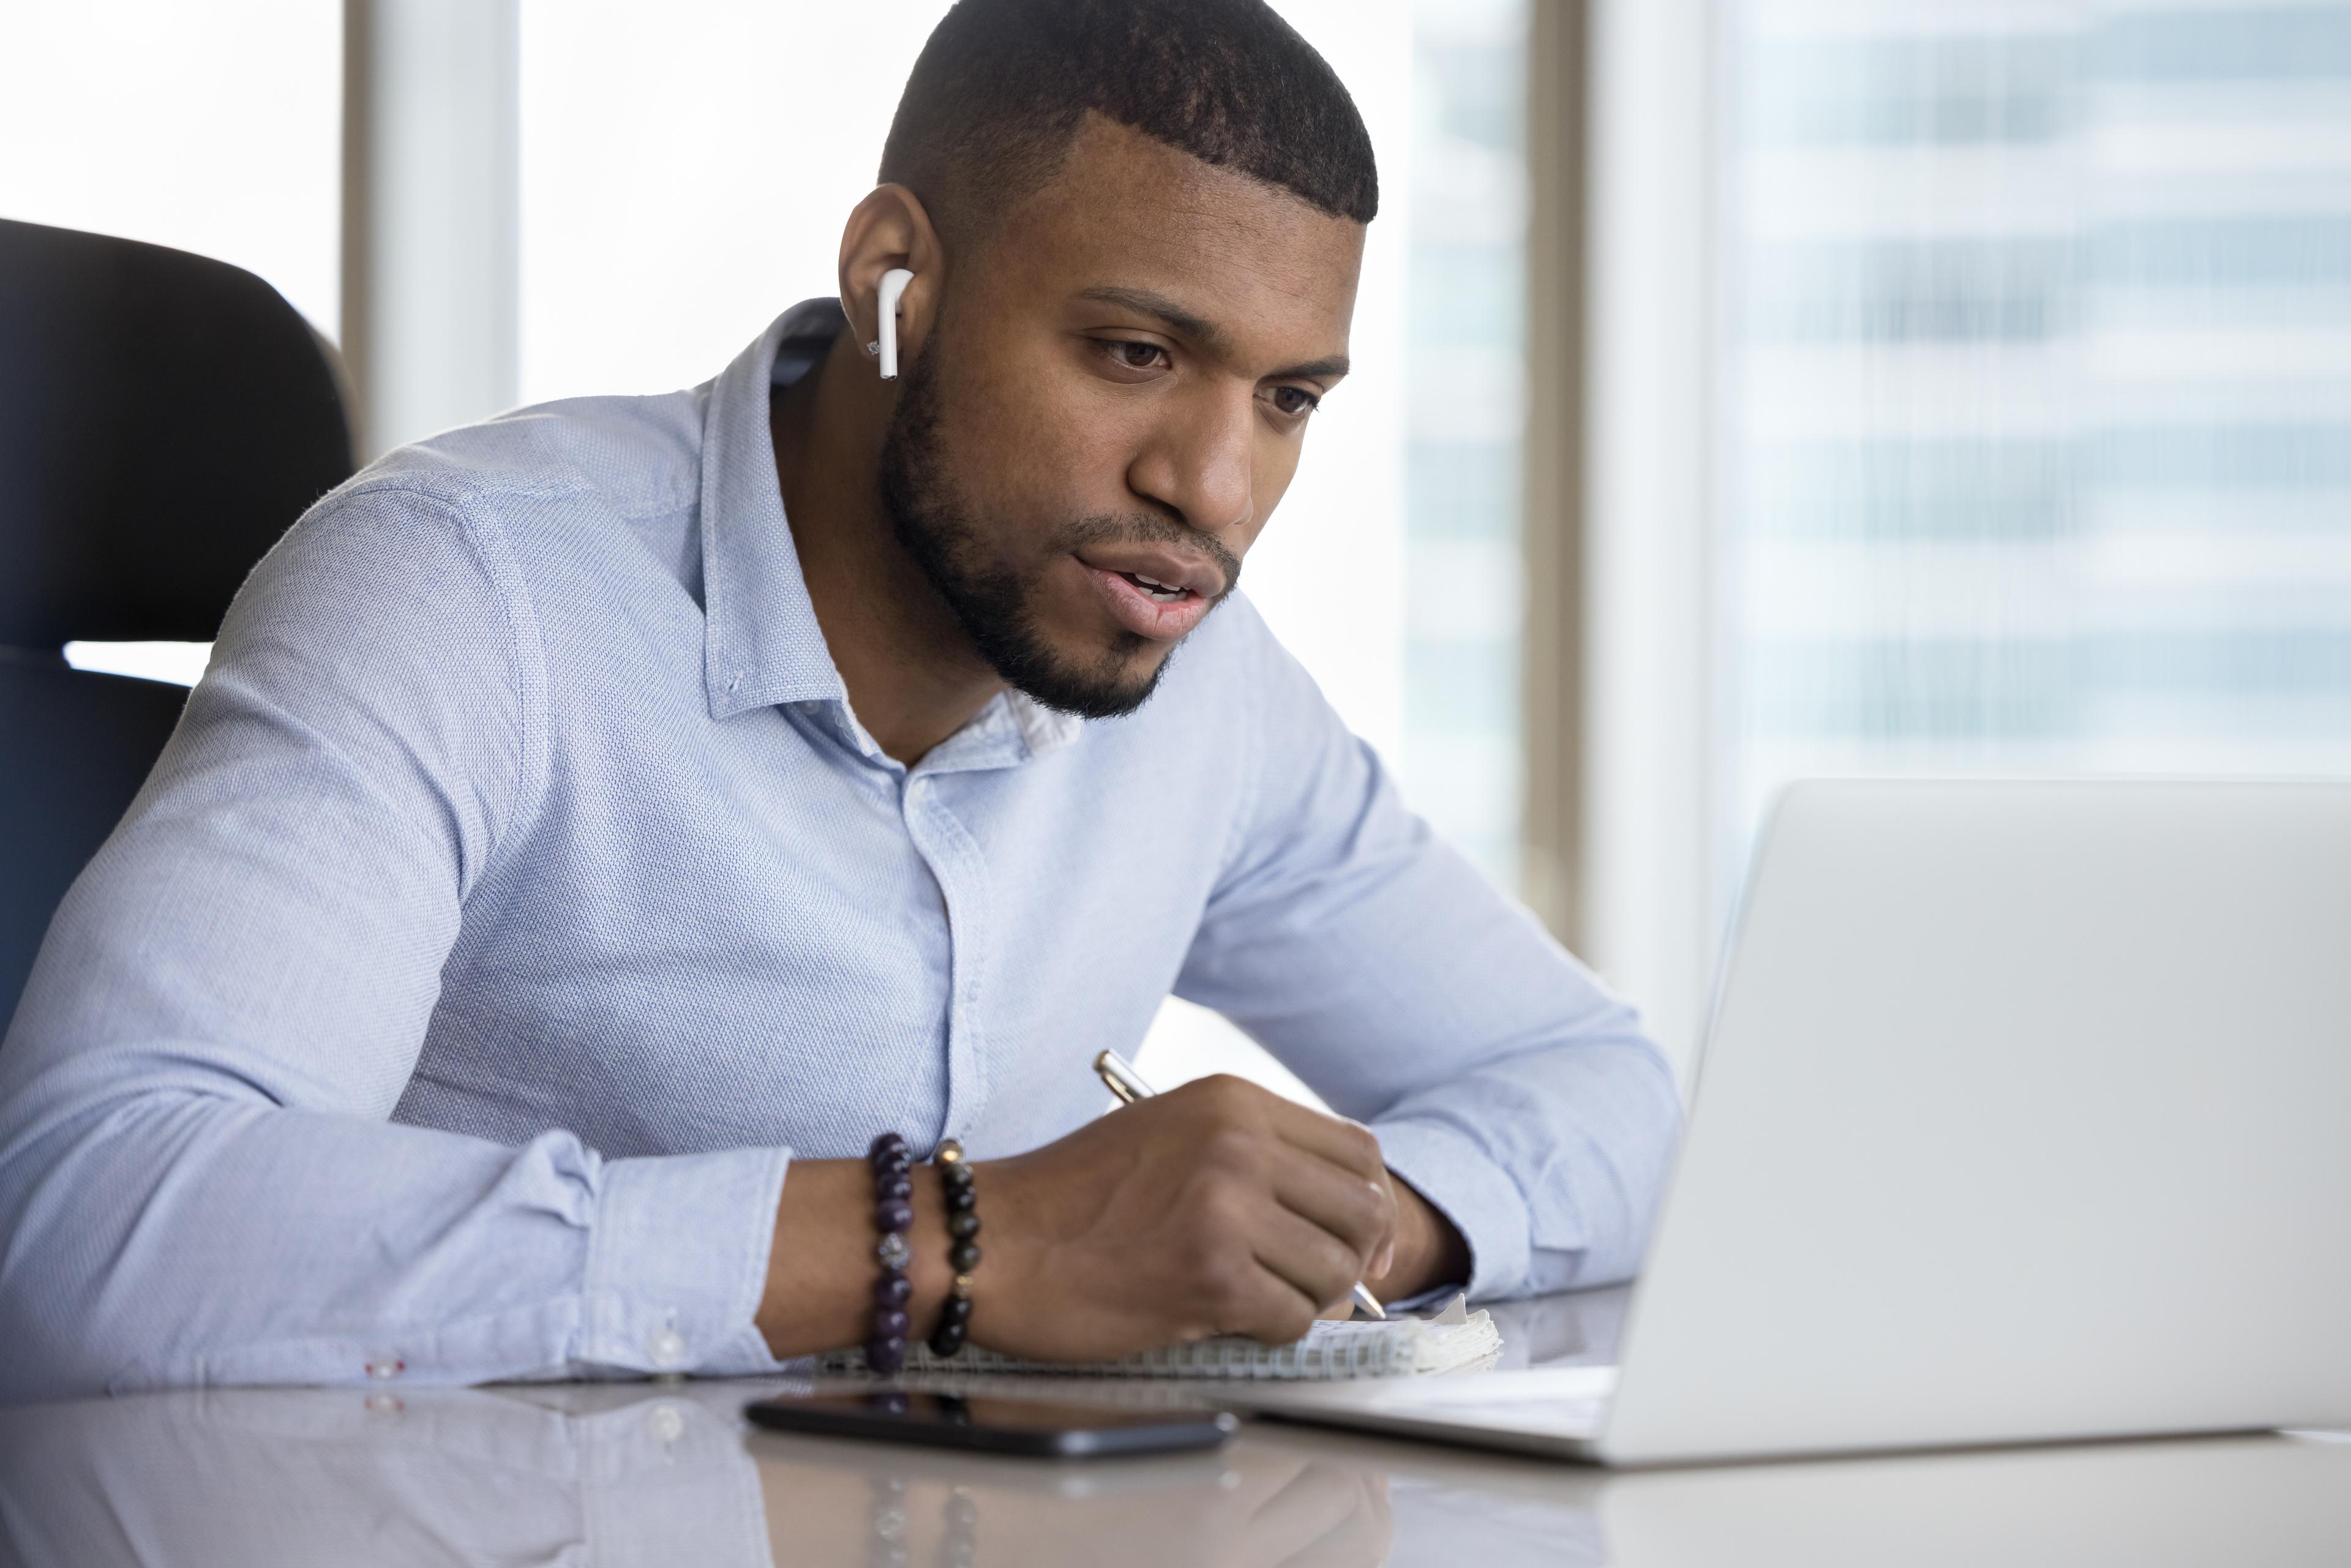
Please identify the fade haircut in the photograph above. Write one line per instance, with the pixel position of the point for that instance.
(1002, 86)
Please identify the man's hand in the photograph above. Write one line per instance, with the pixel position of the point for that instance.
(1218, 1208)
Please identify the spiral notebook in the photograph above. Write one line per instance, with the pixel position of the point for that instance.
(1455, 1340)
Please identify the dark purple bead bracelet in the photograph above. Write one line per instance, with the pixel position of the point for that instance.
(893, 1216)
(963, 1252)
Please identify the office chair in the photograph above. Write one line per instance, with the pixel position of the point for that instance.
(163, 417)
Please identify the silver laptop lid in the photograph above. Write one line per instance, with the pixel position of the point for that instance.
(2026, 1114)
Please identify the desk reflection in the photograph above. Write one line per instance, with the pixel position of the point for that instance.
(642, 1474)
(632, 1474)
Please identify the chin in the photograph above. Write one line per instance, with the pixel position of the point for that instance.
(1097, 677)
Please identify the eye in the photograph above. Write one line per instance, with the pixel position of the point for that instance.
(1131, 354)
(1295, 402)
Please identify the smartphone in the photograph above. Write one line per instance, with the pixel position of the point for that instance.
(995, 1425)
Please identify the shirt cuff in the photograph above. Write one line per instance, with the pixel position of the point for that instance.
(1450, 1171)
(678, 1263)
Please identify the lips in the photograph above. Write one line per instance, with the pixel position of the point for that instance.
(1156, 567)
(1147, 605)
(1153, 590)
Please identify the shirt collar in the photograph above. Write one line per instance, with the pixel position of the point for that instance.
(761, 645)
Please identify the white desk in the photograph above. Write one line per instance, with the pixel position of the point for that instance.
(669, 1475)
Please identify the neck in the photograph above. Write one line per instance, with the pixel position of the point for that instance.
(914, 677)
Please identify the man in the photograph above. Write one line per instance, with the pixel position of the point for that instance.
(598, 825)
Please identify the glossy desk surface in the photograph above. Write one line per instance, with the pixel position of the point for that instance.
(669, 1473)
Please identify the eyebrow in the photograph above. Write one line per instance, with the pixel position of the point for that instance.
(1206, 333)
(1326, 369)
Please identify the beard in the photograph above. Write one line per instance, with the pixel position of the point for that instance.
(994, 602)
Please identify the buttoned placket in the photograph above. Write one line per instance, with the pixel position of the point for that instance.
(764, 648)
(992, 740)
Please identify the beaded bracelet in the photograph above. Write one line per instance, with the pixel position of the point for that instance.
(893, 1216)
(963, 1252)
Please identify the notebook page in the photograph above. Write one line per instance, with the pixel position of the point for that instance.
(1456, 1340)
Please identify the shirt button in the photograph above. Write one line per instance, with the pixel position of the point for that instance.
(384, 1368)
(667, 1349)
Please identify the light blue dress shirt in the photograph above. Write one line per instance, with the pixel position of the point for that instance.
(519, 894)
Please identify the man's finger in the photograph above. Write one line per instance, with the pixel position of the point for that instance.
(1360, 1213)
(1316, 1266)
(1347, 1144)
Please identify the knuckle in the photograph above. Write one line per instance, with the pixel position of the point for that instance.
(1234, 1150)
(1220, 1091)
(1233, 1100)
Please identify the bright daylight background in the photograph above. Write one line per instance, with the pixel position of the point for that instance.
(2027, 327)
(2037, 391)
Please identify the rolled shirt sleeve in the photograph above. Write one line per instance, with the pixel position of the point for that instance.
(199, 1178)
(1504, 1081)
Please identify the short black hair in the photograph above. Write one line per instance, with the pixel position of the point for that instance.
(1001, 88)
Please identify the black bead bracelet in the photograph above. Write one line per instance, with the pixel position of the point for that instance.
(963, 1252)
(893, 1216)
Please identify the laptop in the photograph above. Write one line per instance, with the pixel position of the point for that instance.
(2024, 1116)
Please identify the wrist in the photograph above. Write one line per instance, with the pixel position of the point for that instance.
(1429, 1251)
(821, 1263)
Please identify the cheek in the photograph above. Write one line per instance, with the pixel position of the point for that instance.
(1026, 438)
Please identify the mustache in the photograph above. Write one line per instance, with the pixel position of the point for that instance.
(1146, 527)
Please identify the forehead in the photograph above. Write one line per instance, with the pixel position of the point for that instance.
(1125, 210)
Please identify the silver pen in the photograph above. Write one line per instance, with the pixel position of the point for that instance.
(1129, 1086)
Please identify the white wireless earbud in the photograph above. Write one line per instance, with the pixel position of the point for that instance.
(894, 284)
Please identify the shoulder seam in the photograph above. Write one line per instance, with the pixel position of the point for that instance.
(526, 652)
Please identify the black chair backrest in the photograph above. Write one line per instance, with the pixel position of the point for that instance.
(163, 417)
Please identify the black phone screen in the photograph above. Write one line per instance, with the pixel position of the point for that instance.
(991, 1422)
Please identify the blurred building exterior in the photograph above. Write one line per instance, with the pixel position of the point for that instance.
(2035, 410)
(1460, 760)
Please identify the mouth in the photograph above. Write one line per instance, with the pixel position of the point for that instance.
(1150, 604)
(1164, 593)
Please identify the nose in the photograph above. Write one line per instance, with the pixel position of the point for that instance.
(1197, 465)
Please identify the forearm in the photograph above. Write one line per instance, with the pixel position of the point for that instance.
(172, 1238)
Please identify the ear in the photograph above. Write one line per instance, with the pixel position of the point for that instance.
(888, 230)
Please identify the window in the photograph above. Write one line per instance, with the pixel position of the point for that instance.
(212, 128)
(1458, 761)
(2036, 373)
